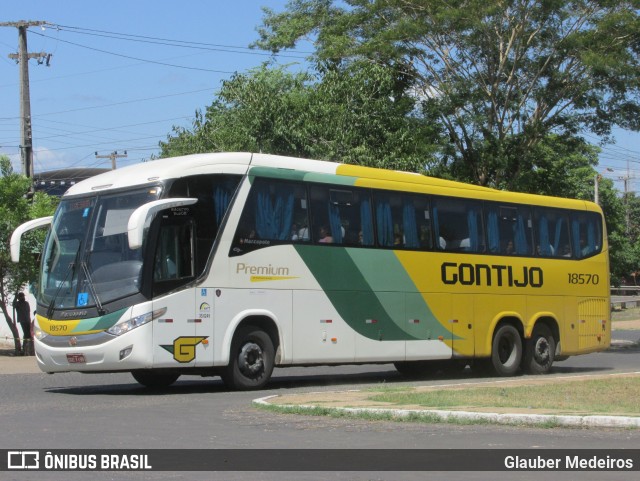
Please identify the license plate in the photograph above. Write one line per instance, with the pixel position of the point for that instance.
(76, 358)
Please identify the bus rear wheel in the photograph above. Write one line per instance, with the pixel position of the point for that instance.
(251, 360)
(154, 379)
(539, 351)
(506, 352)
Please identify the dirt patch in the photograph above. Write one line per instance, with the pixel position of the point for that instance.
(626, 325)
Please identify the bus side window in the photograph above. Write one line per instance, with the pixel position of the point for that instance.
(403, 220)
(586, 233)
(417, 215)
(275, 213)
(458, 225)
(341, 215)
(509, 229)
(552, 233)
(388, 218)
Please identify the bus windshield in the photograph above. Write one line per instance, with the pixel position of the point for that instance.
(87, 260)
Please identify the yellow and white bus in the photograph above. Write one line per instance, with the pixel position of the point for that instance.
(232, 263)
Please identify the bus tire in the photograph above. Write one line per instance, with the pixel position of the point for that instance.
(154, 379)
(539, 351)
(251, 360)
(506, 352)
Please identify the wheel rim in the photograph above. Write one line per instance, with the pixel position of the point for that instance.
(506, 350)
(541, 351)
(251, 360)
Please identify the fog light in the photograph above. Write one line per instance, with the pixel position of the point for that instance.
(125, 352)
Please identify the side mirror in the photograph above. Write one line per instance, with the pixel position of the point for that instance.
(142, 216)
(26, 227)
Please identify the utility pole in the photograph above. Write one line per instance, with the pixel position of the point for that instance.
(113, 156)
(596, 184)
(626, 180)
(22, 58)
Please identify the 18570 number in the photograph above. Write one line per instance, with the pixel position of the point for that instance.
(584, 278)
(57, 328)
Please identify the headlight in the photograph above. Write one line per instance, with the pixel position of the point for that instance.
(125, 326)
(38, 333)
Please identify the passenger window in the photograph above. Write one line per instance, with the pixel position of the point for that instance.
(509, 230)
(402, 221)
(457, 225)
(552, 233)
(586, 233)
(275, 213)
(341, 216)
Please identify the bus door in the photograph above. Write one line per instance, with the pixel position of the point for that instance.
(176, 340)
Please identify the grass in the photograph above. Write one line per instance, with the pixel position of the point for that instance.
(615, 396)
(611, 396)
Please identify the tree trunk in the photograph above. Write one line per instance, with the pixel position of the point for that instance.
(12, 326)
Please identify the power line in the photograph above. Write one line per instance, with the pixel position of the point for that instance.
(135, 58)
(110, 129)
(174, 43)
(114, 104)
(107, 142)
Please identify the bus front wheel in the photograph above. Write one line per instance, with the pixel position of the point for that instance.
(251, 360)
(506, 352)
(540, 351)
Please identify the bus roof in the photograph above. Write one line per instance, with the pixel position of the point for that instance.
(239, 162)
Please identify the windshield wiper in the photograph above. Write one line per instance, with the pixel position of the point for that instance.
(51, 307)
(92, 289)
(71, 268)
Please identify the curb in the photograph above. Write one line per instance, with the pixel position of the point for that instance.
(496, 418)
(622, 344)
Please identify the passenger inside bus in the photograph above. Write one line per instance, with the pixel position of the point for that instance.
(325, 236)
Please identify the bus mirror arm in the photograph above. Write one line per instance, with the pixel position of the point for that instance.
(143, 214)
(26, 227)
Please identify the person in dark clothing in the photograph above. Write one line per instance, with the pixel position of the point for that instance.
(23, 313)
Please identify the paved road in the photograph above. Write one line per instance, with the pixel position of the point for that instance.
(40, 411)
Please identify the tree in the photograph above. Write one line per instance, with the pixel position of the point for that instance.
(15, 209)
(496, 78)
(623, 248)
(360, 115)
(631, 234)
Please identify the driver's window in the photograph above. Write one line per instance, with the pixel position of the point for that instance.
(174, 255)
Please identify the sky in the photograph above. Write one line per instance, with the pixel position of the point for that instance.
(123, 73)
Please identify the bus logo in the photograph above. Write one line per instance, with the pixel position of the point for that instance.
(184, 347)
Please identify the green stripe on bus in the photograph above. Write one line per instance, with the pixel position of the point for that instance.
(383, 269)
(273, 173)
(349, 276)
(99, 323)
(297, 175)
